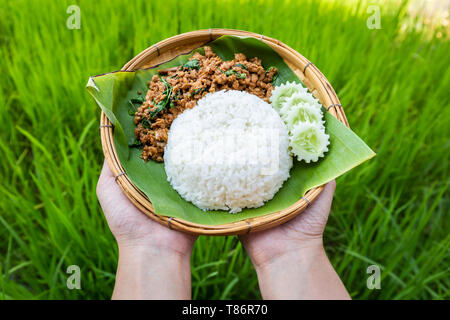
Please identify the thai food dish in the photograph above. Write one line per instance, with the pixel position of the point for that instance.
(235, 152)
(176, 89)
(226, 128)
(226, 135)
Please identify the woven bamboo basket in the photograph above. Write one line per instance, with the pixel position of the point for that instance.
(185, 43)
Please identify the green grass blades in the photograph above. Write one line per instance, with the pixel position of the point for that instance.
(393, 83)
(113, 92)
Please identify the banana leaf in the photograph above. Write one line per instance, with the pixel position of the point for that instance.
(112, 92)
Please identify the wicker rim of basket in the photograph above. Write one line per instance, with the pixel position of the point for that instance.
(183, 43)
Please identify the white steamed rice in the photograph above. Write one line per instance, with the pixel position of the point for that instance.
(228, 152)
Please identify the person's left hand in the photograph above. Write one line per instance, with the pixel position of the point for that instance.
(131, 227)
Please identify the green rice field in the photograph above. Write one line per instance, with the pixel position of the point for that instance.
(394, 85)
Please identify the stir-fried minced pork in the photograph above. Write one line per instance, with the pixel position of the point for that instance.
(175, 89)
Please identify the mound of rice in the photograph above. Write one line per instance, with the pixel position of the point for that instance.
(228, 152)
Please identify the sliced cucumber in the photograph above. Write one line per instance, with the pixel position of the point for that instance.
(308, 141)
(303, 116)
(284, 91)
(303, 112)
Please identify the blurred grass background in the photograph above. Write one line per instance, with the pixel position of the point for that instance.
(393, 82)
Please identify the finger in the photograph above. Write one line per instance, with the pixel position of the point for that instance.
(106, 171)
(325, 199)
(107, 187)
(329, 189)
(104, 174)
(110, 194)
(320, 206)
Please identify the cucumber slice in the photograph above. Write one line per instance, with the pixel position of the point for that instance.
(296, 98)
(284, 91)
(303, 112)
(308, 141)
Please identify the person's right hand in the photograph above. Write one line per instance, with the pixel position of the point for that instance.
(303, 232)
(290, 260)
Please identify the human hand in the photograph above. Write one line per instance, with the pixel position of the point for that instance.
(290, 260)
(303, 232)
(131, 227)
(154, 261)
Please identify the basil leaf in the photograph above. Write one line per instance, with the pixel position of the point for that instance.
(192, 64)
